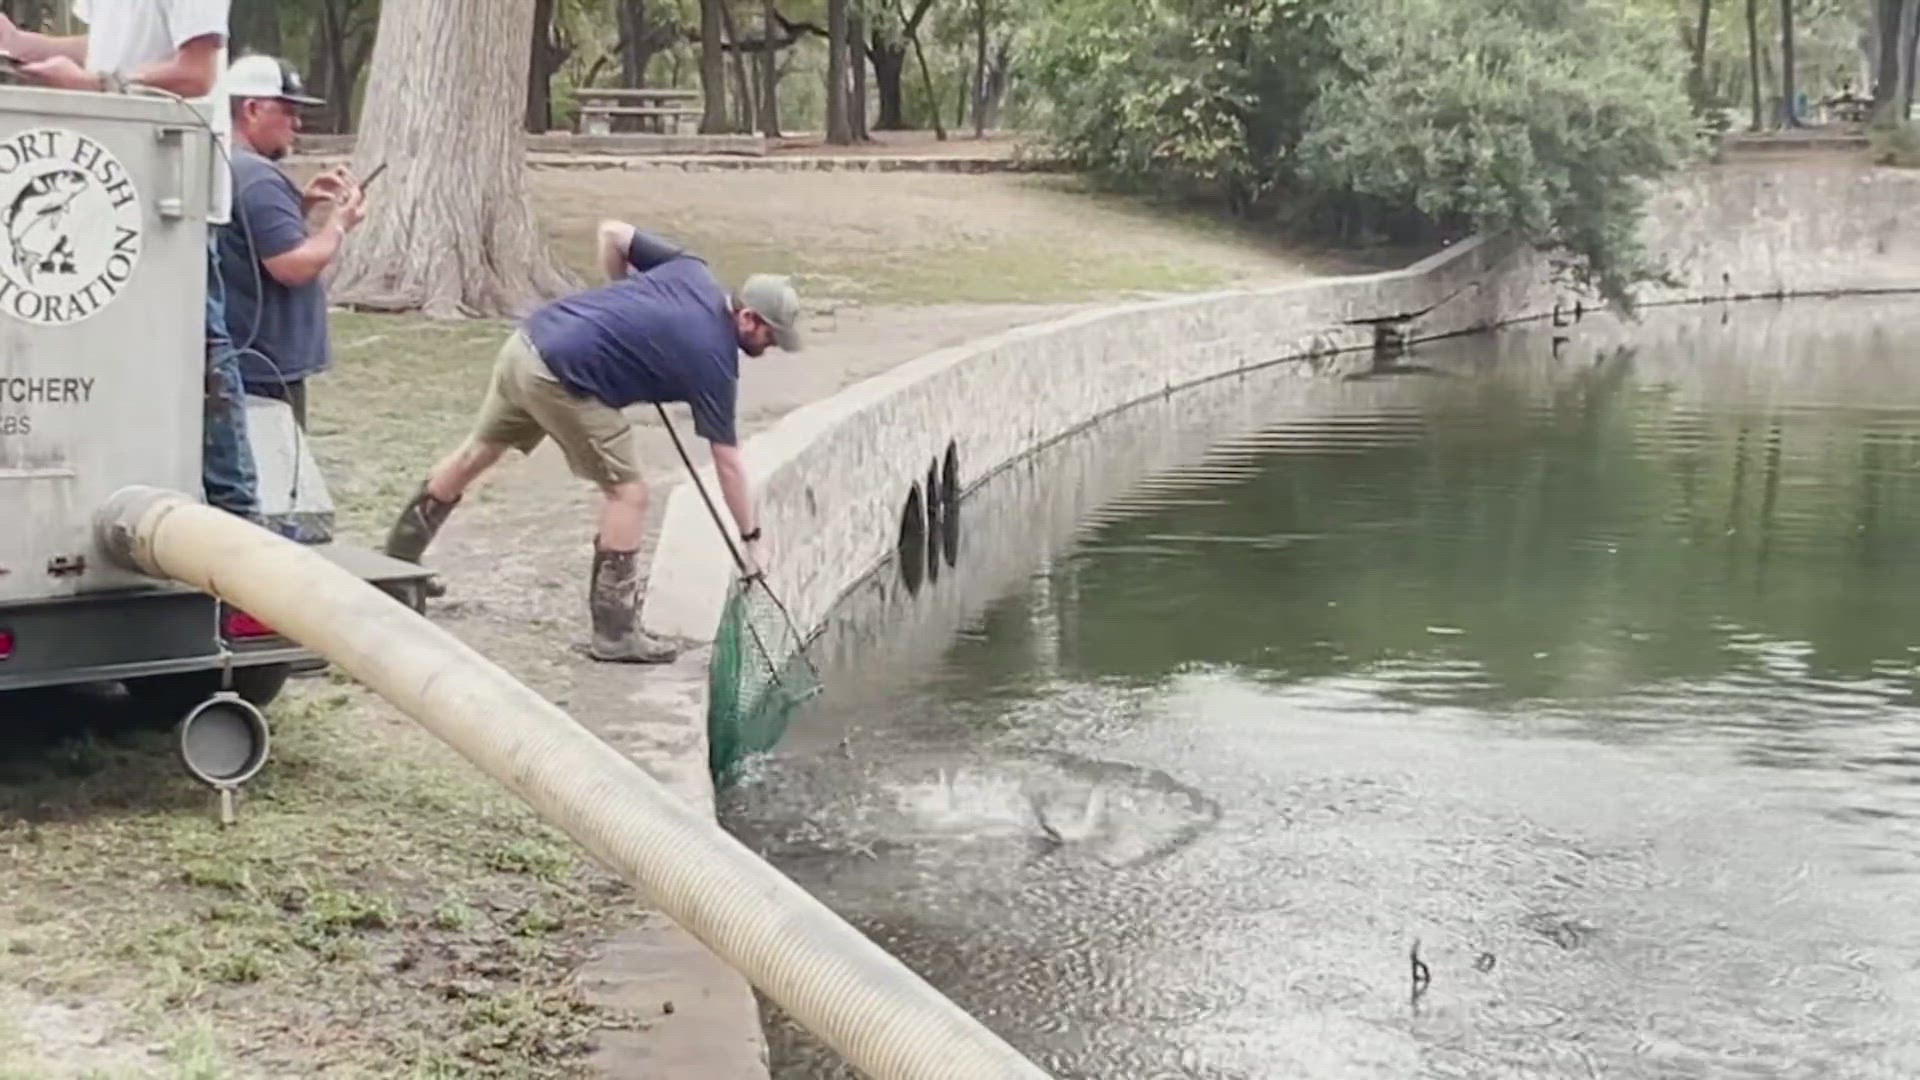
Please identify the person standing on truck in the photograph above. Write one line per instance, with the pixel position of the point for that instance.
(179, 47)
(271, 258)
(661, 330)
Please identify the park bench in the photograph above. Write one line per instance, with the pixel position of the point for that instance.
(662, 111)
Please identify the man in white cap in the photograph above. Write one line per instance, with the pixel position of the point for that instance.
(271, 257)
(661, 330)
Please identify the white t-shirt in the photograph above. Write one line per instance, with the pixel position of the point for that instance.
(126, 34)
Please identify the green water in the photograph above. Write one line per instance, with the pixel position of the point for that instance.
(1589, 665)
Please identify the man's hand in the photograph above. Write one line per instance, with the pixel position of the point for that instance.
(329, 186)
(349, 205)
(353, 208)
(611, 242)
(62, 73)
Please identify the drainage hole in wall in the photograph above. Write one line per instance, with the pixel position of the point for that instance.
(912, 545)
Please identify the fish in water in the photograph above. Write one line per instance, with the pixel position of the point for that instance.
(35, 223)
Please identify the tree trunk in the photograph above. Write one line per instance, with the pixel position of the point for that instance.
(999, 70)
(713, 69)
(979, 69)
(745, 119)
(634, 54)
(889, 65)
(319, 73)
(769, 73)
(539, 70)
(450, 230)
(339, 80)
(256, 28)
(926, 76)
(857, 72)
(337, 48)
(1753, 61)
(1697, 72)
(838, 132)
(1789, 117)
(1886, 56)
(1909, 31)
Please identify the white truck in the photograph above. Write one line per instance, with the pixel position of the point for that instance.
(103, 256)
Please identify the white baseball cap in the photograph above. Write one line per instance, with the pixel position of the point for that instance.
(260, 76)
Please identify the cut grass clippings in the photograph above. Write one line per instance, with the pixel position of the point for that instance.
(380, 909)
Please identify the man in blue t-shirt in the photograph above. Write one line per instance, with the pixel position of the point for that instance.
(661, 330)
(270, 257)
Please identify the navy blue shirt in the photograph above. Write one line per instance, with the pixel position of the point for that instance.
(665, 332)
(282, 331)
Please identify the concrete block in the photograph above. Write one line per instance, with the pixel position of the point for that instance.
(293, 494)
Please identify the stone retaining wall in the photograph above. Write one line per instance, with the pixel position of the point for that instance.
(834, 478)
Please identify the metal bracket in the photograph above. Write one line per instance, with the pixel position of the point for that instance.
(226, 651)
(66, 565)
(171, 204)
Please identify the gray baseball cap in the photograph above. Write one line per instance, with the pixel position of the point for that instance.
(771, 297)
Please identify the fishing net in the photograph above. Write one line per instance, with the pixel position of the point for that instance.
(759, 674)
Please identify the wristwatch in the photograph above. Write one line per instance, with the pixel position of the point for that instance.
(113, 82)
(748, 538)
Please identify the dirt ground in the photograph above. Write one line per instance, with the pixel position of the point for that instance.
(381, 910)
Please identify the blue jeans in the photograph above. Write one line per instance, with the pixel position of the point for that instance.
(226, 463)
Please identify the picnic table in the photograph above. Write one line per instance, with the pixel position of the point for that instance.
(662, 111)
(1847, 108)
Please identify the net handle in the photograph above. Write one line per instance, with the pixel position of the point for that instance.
(739, 561)
(758, 576)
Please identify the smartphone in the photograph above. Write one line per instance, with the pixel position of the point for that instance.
(370, 177)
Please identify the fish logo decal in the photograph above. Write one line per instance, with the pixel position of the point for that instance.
(35, 222)
(72, 226)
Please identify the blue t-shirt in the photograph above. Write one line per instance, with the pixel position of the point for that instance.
(665, 332)
(283, 330)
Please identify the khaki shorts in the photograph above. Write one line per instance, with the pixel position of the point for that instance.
(526, 404)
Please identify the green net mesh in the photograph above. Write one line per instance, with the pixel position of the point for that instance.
(758, 676)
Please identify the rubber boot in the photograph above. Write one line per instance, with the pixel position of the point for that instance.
(415, 528)
(614, 601)
(417, 525)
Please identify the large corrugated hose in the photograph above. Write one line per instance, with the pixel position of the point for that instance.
(885, 1020)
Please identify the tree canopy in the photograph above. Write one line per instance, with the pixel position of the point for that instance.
(1422, 117)
(1542, 118)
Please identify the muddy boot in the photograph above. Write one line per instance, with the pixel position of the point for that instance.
(415, 528)
(614, 603)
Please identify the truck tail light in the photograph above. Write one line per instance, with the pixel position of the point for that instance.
(239, 624)
(6, 644)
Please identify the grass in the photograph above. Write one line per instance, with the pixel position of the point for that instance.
(402, 392)
(917, 238)
(379, 909)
